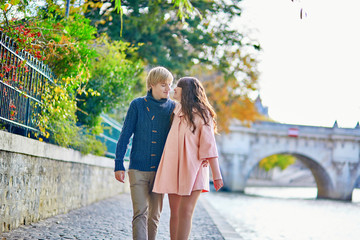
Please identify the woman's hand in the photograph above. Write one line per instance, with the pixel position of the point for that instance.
(205, 163)
(218, 183)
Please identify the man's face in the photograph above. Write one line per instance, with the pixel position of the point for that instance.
(161, 90)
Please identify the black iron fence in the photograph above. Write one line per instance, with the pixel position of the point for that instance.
(22, 82)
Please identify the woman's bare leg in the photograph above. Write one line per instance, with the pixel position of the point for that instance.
(186, 210)
(174, 202)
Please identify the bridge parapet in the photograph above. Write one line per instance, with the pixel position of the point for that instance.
(303, 129)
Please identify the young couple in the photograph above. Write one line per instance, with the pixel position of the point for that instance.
(173, 143)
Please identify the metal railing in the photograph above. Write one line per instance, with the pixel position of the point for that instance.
(22, 82)
(110, 136)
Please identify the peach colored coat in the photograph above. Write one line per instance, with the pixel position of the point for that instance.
(180, 170)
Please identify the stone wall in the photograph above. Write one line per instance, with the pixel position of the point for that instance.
(40, 180)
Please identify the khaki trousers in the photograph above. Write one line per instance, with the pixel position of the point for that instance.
(147, 206)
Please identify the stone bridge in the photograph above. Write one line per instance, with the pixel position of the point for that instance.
(331, 154)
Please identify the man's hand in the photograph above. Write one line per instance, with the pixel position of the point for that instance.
(120, 176)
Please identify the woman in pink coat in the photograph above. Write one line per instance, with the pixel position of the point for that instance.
(183, 172)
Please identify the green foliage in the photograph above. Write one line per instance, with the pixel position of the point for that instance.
(278, 160)
(68, 52)
(57, 120)
(89, 143)
(180, 45)
(113, 77)
(104, 74)
(185, 8)
(58, 114)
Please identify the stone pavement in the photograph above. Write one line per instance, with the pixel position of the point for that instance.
(111, 219)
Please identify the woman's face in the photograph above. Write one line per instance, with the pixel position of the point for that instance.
(177, 94)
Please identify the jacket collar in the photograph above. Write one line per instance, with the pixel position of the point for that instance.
(150, 97)
(177, 110)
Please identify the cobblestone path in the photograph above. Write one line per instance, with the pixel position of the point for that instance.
(110, 219)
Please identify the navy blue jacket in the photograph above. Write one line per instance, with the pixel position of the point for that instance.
(148, 121)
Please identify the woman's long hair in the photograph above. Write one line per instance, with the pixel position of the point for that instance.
(193, 97)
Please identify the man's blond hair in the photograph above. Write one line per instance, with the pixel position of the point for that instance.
(158, 75)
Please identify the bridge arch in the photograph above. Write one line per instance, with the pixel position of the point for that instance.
(322, 177)
(357, 182)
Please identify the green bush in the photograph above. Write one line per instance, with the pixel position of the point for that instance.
(113, 77)
(277, 160)
(93, 75)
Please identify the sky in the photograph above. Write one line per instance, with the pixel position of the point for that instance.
(310, 67)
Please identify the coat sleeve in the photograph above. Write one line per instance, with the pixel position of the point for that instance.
(207, 143)
(124, 139)
(215, 168)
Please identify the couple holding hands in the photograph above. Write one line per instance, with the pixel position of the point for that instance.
(173, 144)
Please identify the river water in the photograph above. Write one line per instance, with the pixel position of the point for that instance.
(288, 214)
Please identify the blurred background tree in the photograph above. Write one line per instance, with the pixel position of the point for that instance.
(277, 160)
(204, 44)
